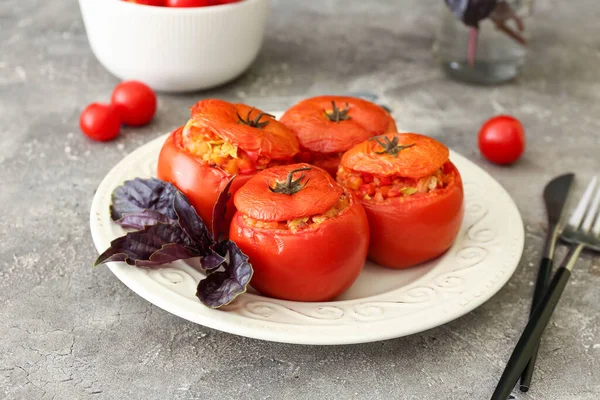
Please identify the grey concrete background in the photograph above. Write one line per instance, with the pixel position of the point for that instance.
(70, 332)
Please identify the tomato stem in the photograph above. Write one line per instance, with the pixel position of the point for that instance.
(254, 123)
(390, 146)
(291, 186)
(336, 115)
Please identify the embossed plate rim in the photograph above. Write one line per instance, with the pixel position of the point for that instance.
(324, 328)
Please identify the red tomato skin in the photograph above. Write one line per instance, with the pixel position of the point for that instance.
(190, 3)
(200, 182)
(502, 139)
(313, 265)
(319, 194)
(158, 3)
(406, 231)
(100, 122)
(330, 164)
(135, 101)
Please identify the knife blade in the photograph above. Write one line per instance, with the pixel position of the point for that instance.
(556, 195)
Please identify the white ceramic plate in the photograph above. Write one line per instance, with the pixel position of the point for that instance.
(382, 304)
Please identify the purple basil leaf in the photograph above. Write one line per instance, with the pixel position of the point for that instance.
(191, 223)
(471, 12)
(167, 254)
(219, 210)
(154, 245)
(212, 261)
(140, 194)
(138, 220)
(217, 256)
(222, 287)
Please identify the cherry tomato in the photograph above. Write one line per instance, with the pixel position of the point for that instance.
(157, 3)
(327, 126)
(190, 3)
(135, 101)
(305, 244)
(100, 122)
(412, 194)
(192, 158)
(502, 139)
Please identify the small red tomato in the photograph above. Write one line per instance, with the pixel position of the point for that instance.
(190, 3)
(158, 3)
(135, 101)
(100, 122)
(502, 139)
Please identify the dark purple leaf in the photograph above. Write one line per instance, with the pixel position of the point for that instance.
(217, 256)
(167, 254)
(212, 261)
(139, 220)
(139, 194)
(191, 223)
(223, 286)
(154, 245)
(219, 210)
(471, 12)
(170, 230)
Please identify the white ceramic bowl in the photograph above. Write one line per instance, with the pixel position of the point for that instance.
(175, 49)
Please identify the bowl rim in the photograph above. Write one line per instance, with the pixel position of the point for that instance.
(215, 9)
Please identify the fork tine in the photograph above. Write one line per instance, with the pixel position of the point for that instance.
(591, 214)
(579, 213)
(596, 228)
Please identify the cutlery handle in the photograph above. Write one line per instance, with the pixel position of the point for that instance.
(532, 334)
(543, 277)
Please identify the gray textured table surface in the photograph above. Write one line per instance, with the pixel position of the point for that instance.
(70, 332)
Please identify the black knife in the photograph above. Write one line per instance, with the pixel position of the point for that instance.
(556, 194)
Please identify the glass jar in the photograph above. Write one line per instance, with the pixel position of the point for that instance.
(499, 57)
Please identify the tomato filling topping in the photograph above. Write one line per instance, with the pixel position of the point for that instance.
(217, 152)
(378, 188)
(299, 224)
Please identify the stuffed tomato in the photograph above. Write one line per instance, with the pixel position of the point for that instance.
(327, 126)
(412, 194)
(219, 141)
(306, 236)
